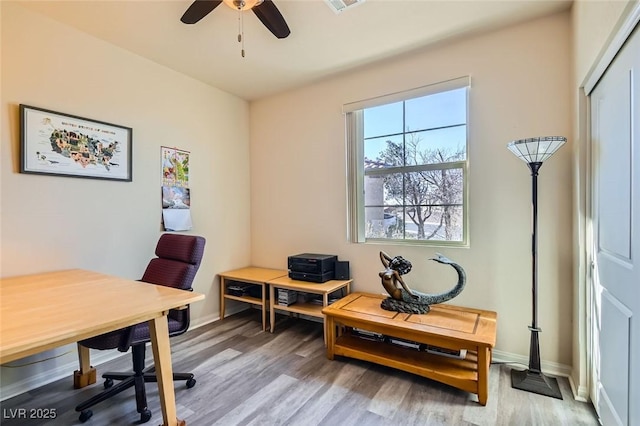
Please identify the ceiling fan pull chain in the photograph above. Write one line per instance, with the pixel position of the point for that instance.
(241, 27)
(242, 32)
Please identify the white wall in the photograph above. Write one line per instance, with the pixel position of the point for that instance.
(57, 223)
(520, 88)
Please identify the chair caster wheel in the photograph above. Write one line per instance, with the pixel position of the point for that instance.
(108, 383)
(145, 416)
(191, 383)
(85, 415)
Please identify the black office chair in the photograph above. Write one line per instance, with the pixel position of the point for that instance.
(178, 260)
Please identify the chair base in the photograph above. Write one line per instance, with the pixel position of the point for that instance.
(139, 377)
(149, 376)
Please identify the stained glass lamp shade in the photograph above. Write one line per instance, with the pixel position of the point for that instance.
(536, 150)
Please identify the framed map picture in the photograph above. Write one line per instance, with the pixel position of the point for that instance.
(59, 144)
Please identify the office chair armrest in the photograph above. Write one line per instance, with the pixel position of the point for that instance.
(183, 307)
(125, 339)
(180, 308)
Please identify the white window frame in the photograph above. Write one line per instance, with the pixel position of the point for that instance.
(355, 163)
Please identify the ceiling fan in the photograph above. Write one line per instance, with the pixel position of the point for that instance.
(265, 10)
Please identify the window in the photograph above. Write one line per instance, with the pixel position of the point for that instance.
(408, 166)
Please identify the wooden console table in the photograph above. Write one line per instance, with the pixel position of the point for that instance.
(250, 275)
(445, 326)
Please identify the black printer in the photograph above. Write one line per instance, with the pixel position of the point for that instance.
(312, 267)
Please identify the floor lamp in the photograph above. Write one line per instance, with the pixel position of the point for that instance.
(534, 152)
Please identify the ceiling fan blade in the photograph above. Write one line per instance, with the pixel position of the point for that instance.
(198, 10)
(271, 17)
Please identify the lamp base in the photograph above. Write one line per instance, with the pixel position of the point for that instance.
(530, 381)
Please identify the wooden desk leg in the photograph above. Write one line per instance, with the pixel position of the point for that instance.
(222, 289)
(272, 311)
(86, 374)
(264, 307)
(484, 362)
(159, 328)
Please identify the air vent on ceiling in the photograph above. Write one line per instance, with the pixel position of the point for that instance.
(339, 6)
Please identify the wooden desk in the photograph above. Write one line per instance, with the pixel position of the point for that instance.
(43, 311)
(249, 275)
(445, 326)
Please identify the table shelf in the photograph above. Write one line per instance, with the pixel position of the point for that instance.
(461, 373)
(309, 309)
(246, 299)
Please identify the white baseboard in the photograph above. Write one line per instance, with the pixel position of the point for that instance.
(203, 321)
(208, 319)
(580, 393)
(552, 368)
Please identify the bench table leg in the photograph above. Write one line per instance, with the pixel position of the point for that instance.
(484, 362)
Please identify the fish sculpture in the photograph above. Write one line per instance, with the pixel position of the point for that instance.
(402, 298)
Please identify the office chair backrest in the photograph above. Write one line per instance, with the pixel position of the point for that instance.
(178, 260)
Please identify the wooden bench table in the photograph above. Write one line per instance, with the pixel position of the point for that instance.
(445, 326)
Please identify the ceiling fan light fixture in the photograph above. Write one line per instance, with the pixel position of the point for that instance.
(265, 10)
(242, 4)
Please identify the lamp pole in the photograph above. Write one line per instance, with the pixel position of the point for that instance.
(534, 151)
(534, 346)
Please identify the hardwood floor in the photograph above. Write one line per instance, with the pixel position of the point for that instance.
(249, 377)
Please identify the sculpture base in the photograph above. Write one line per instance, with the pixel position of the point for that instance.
(394, 305)
(530, 381)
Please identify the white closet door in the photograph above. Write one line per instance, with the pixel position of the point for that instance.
(615, 128)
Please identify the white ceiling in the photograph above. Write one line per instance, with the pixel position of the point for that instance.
(322, 43)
